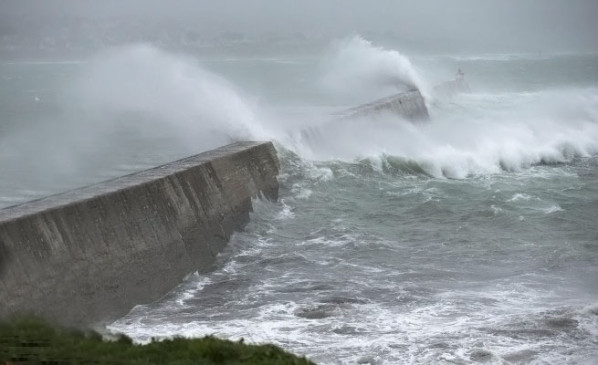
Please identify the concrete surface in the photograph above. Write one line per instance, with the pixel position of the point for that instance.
(88, 256)
(409, 105)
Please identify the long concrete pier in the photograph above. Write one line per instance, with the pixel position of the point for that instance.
(409, 105)
(88, 256)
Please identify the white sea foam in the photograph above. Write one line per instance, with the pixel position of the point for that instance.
(499, 320)
(286, 212)
(552, 209)
(199, 283)
(520, 197)
(300, 192)
(515, 133)
(496, 210)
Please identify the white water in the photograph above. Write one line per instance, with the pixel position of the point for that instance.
(142, 90)
(194, 105)
(456, 294)
(357, 69)
(141, 93)
(497, 265)
(475, 134)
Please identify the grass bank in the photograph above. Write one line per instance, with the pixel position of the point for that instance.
(32, 341)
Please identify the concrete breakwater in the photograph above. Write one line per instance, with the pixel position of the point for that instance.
(409, 105)
(89, 255)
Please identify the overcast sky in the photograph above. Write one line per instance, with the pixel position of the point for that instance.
(535, 25)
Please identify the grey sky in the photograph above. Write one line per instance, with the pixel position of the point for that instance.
(535, 25)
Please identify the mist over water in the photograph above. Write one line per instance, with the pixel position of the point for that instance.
(542, 128)
(358, 69)
(468, 238)
(169, 92)
(122, 110)
(136, 91)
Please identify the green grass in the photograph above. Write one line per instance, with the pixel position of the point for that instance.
(32, 341)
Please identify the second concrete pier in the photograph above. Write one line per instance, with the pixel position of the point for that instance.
(409, 105)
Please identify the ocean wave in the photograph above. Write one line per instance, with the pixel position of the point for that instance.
(357, 68)
(479, 134)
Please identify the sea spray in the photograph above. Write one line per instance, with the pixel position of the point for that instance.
(360, 71)
(123, 110)
(196, 106)
(136, 106)
(478, 134)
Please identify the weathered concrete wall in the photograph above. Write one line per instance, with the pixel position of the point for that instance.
(409, 104)
(90, 255)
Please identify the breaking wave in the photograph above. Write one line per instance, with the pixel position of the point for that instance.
(360, 70)
(475, 135)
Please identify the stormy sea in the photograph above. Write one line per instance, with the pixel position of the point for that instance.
(471, 237)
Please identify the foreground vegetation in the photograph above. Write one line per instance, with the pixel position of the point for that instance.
(32, 341)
